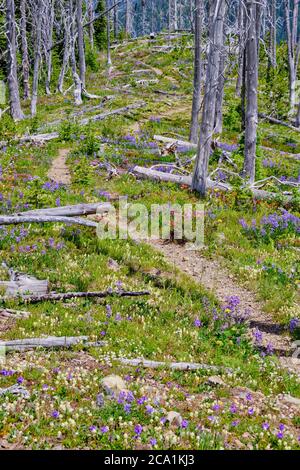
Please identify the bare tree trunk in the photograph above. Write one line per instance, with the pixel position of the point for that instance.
(273, 29)
(37, 18)
(220, 95)
(197, 72)
(80, 41)
(297, 123)
(48, 35)
(67, 45)
(293, 49)
(241, 29)
(109, 62)
(216, 22)
(143, 6)
(116, 20)
(76, 78)
(128, 17)
(12, 76)
(90, 10)
(251, 93)
(25, 59)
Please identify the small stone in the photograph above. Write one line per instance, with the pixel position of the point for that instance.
(113, 385)
(174, 418)
(215, 381)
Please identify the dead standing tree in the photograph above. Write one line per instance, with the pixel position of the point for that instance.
(291, 8)
(37, 8)
(24, 44)
(251, 85)
(198, 15)
(12, 75)
(216, 23)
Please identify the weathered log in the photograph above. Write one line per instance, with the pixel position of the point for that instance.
(89, 109)
(125, 109)
(9, 313)
(180, 143)
(155, 175)
(184, 366)
(41, 138)
(21, 286)
(68, 211)
(278, 121)
(15, 390)
(50, 342)
(33, 299)
(15, 220)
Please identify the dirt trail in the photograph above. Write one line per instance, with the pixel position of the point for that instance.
(211, 275)
(59, 172)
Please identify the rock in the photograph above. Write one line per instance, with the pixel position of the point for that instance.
(215, 381)
(113, 385)
(174, 418)
(291, 400)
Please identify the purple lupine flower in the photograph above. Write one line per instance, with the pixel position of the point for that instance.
(138, 429)
(197, 323)
(55, 414)
(265, 426)
(104, 429)
(153, 442)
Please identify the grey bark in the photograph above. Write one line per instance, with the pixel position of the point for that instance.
(80, 41)
(197, 72)
(109, 62)
(251, 93)
(293, 48)
(48, 40)
(37, 12)
(220, 89)
(273, 33)
(76, 78)
(90, 10)
(116, 20)
(240, 35)
(128, 17)
(80, 295)
(216, 22)
(25, 59)
(50, 342)
(12, 75)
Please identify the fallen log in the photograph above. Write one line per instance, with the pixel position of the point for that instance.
(278, 121)
(184, 366)
(33, 299)
(33, 286)
(15, 220)
(89, 109)
(9, 313)
(20, 283)
(68, 211)
(180, 143)
(50, 342)
(155, 175)
(15, 390)
(125, 109)
(40, 138)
